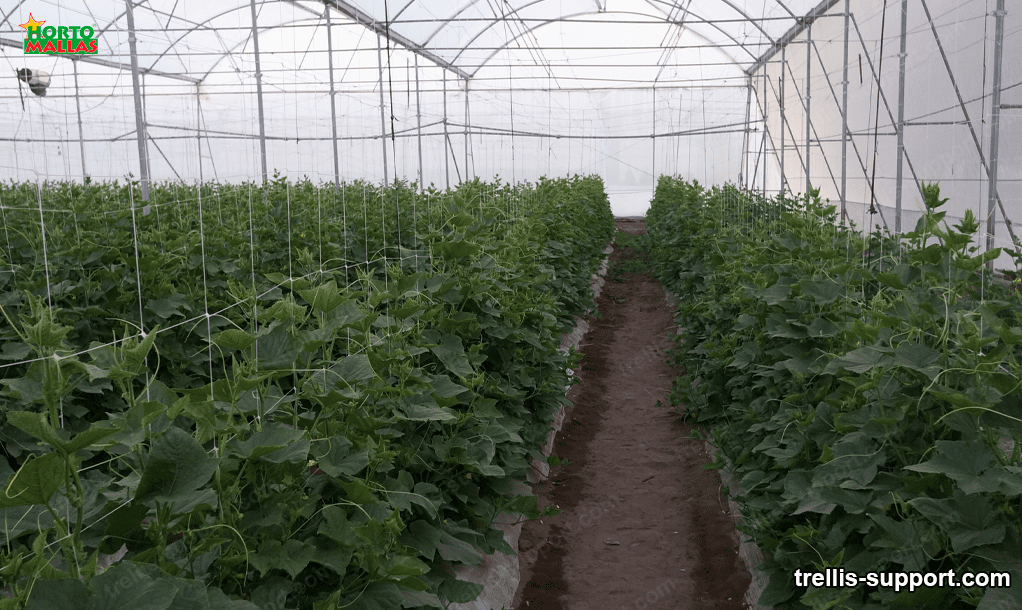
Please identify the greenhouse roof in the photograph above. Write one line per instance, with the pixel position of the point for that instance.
(188, 40)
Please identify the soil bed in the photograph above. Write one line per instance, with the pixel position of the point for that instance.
(644, 525)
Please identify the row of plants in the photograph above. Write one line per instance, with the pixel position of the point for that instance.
(279, 396)
(864, 388)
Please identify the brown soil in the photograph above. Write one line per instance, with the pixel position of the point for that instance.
(644, 525)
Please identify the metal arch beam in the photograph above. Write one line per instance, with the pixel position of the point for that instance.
(744, 15)
(171, 46)
(567, 18)
(244, 41)
(683, 26)
(786, 9)
(652, 3)
(801, 23)
(446, 22)
(340, 5)
(91, 59)
(198, 25)
(7, 17)
(353, 12)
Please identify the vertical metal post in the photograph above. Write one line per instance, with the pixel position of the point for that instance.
(467, 118)
(654, 140)
(145, 113)
(995, 122)
(259, 92)
(198, 129)
(743, 175)
(447, 137)
(383, 113)
(902, 56)
(766, 127)
(140, 127)
(418, 116)
(844, 120)
(81, 135)
(333, 94)
(784, 67)
(809, 105)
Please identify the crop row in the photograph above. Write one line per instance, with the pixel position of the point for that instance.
(290, 396)
(863, 388)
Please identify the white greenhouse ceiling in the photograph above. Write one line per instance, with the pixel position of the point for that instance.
(189, 40)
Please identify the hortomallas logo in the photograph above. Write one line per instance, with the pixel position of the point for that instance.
(59, 40)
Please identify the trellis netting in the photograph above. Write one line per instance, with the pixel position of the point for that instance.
(299, 140)
(439, 92)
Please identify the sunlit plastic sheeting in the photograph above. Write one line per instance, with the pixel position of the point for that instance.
(941, 143)
(627, 88)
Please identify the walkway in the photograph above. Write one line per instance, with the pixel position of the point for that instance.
(644, 525)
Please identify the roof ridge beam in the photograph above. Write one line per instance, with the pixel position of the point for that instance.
(800, 25)
(373, 24)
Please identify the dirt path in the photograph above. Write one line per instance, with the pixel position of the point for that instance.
(643, 524)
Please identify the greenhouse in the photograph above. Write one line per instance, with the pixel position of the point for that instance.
(372, 304)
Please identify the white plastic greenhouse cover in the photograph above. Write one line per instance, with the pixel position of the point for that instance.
(438, 91)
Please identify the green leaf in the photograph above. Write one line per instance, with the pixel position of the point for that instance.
(891, 279)
(191, 595)
(340, 460)
(454, 250)
(234, 338)
(177, 467)
(442, 386)
(35, 482)
(65, 594)
(169, 307)
(780, 588)
(957, 459)
(459, 591)
(274, 443)
(26, 389)
(336, 527)
(1008, 598)
(219, 601)
(774, 295)
(969, 520)
(823, 292)
(277, 349)
(331, 554)
(822, 327)
(15, 350)
(417, 599)
(403, 565)
(88, 438)
(814, 504)
(377, 596)
(347, 314)
(422, 536)
(859, 469)
(124, 522)
(272, 594)
(455, 549)
(918, 357)
(860, 360)
(416, 412)
(323, 298)
(291, 556)
(354, 368)
(347, 371)
(452, 354)
(36, 425)
(126, 586)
